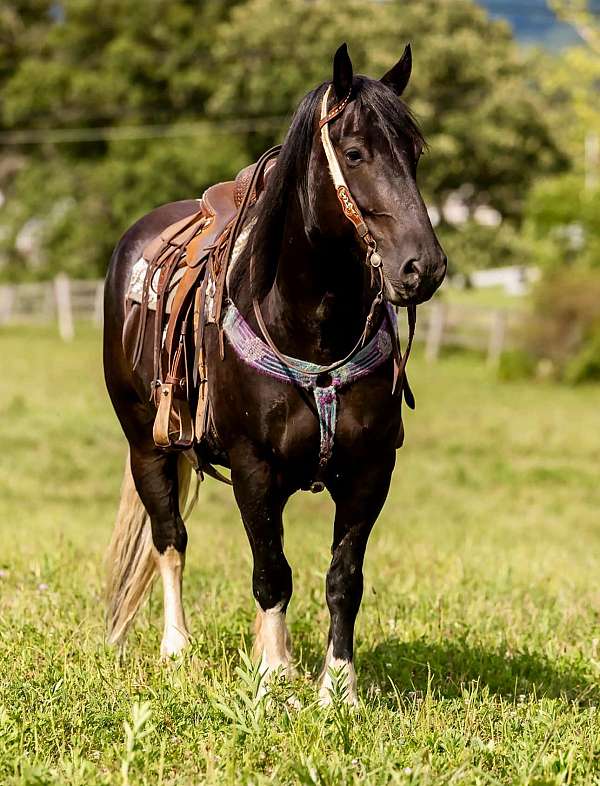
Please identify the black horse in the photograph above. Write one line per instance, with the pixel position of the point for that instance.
(302, 281)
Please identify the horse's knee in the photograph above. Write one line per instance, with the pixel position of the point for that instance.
(272, 583)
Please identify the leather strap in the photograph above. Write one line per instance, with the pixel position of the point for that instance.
(377, 300)
(344, 195)
(373, 259)
(337, 109)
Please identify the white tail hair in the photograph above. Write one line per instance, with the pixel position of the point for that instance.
(130, 560)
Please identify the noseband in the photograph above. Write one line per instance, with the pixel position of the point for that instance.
(373, 260)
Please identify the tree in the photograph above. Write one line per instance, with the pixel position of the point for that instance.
(470, 86)
(119, 63)
(563, 212)
(95, 65)
(578, 14)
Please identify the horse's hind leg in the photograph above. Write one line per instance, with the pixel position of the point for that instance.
(261, 504)
(161, 482)
(160, 485)
(359, 498)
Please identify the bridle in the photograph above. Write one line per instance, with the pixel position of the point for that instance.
(349, 206)
(373, 260)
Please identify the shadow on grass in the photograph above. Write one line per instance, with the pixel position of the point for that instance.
(448, 666)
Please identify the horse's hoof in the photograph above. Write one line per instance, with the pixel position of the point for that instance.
(293, 702)
(325, 699)
(173, 643)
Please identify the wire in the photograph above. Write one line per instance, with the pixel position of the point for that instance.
(112, 133)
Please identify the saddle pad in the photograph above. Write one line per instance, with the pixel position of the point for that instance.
(136, 285)
(138, 276)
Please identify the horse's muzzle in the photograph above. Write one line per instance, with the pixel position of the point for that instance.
(415, 281)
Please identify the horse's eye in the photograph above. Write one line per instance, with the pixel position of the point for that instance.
(353, 155)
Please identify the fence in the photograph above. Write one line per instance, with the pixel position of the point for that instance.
(64, 301)
(67, 301)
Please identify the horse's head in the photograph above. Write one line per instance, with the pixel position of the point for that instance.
(377, 145)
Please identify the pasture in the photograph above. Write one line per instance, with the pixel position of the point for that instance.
(477, 644)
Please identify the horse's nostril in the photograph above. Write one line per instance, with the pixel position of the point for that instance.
(410, 267)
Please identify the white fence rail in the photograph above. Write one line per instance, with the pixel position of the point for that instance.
(64, 301)
(490, 331)
(68, 301)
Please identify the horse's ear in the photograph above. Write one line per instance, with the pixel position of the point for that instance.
(342, 72)
(397, 77)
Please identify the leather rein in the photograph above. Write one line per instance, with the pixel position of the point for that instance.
(373, 260)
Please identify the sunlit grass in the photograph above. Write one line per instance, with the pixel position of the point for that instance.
(477, 645)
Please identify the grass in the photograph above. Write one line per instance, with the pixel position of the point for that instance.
(477, 644)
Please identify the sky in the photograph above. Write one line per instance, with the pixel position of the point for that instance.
(534, 23)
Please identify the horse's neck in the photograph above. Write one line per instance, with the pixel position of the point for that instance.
(317, 305)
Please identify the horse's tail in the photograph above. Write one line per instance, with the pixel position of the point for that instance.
(130, 559)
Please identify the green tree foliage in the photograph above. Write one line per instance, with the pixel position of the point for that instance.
(23, 27)
(563, 218)
(120, 63)
(469, 88)
(110, 64)
(472, 246)
(562, 213)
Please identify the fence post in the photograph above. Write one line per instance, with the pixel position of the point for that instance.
(99, 304)
(435, 332)
(64, 310)
(7, 296)
(497, 336)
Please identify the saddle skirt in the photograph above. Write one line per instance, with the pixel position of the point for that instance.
(135, 290)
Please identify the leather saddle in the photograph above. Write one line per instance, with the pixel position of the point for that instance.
(186, 270)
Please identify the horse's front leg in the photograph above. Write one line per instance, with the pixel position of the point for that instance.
(359, 495)
(261, 502)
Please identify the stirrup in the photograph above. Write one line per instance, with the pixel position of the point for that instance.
(173, 427)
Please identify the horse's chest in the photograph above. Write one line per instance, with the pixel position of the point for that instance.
(290, 422)
(284, 420)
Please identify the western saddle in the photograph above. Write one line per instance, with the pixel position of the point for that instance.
(185, 271)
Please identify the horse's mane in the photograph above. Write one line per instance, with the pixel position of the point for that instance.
(392, 116)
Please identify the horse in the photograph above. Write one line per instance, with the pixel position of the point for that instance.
(339, 237)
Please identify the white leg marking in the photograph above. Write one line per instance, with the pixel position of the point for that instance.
(346, 670)
(273, 645)
(175, 634)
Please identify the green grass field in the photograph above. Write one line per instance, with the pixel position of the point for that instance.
(478, 643)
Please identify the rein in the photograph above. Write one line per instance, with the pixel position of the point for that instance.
(373, 260)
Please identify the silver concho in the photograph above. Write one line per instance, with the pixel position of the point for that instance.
(375, 260)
